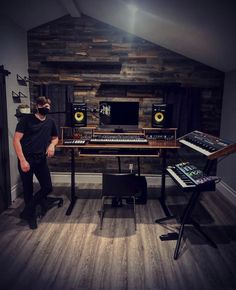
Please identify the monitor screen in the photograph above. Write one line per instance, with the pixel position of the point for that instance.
(119, 115)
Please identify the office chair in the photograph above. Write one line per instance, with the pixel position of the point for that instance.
(118, 185)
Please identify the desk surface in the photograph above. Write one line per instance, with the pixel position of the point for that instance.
(150, 145)
(152, 149)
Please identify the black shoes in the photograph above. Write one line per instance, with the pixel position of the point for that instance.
(30, 217)
(30, 213)
(44, 207)
(24, 215)
(32, 222)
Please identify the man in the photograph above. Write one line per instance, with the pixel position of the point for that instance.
(34, 140)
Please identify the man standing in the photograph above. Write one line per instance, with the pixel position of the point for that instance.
(34, 140)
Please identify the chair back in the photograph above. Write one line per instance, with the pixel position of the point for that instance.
(119, 184)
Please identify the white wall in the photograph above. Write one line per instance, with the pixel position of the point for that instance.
(13, 55)
(227, 167)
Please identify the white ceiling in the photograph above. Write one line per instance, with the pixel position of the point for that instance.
(202, 30)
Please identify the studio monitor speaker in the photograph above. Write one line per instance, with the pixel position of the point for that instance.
(161, 115)
(78, 115)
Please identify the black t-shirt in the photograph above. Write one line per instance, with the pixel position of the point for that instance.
(37, 134)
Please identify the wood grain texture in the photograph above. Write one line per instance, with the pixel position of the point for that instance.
(90, 61)
(78, 50)
(71, 252)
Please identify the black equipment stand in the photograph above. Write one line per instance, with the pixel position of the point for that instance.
(73, 196)
(162, 197)
(186, 219)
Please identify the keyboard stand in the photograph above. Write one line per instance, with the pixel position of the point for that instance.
(73, 196)
(213, 148)
(162, 198)
(186, 219)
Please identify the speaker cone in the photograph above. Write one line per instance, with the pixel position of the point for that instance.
(79, 116)
(159, 117)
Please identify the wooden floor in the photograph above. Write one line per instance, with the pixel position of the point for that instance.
(71, 252)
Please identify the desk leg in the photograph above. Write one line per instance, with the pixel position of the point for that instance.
(73, 197)
(119, 164)
(138, 166)
(162, 198)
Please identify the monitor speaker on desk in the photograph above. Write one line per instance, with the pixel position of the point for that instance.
(161, 115)
(78, 112)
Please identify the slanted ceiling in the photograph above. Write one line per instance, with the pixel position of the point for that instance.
(201, 30)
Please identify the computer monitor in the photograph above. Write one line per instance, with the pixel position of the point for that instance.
(119, 115)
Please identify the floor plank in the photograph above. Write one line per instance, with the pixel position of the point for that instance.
(71, 252)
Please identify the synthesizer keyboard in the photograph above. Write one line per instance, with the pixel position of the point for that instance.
(118, 139)
(208, 145)
(73, 142)
(189, 177)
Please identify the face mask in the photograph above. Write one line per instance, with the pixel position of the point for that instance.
(43, 111)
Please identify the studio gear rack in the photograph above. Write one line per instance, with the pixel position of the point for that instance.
(191, 179)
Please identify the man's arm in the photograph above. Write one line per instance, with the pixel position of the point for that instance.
(51, 148)
(18, 149)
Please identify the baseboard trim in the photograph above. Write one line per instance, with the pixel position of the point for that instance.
(227, 192)
(16, 191)
(63, 178)
(96, 178)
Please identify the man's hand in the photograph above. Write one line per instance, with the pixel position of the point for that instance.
(25, 167)
(51, 150)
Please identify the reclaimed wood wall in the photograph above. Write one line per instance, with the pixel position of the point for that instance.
(102, 62)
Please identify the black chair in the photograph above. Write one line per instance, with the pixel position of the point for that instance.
(119, 186)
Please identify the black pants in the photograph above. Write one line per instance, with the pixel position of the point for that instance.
(39, 168)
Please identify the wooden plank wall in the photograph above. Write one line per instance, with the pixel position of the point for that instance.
(102, 62)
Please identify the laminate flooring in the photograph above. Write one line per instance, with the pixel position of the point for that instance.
(71, 252)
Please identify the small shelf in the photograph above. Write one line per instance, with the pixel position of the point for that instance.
(74, 131)
(152, 134)
(159, 129)
(167, 134)
(82, 128)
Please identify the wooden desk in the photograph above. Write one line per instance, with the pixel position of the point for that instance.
(154, 149)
